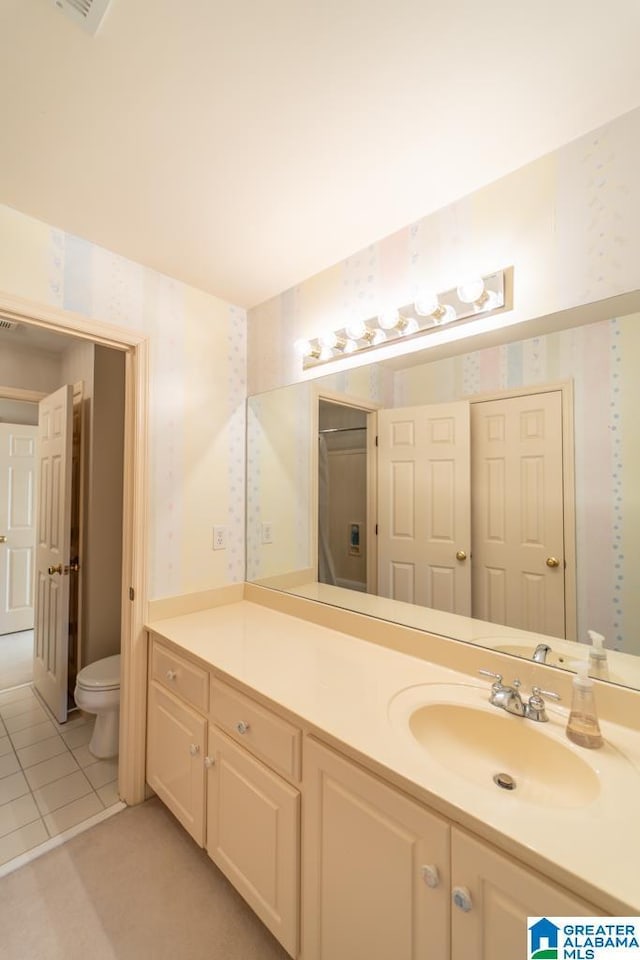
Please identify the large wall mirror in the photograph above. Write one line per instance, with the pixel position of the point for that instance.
(488, 491)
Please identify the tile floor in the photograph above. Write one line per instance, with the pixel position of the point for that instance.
(49, 781)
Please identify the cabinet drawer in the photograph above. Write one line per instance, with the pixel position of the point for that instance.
(266, 735)
(183, 678)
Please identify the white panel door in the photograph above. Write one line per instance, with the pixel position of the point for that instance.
(424, 522)
(17, 525)
(51, 654)
(517, 508)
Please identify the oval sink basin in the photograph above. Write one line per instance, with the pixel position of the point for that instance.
(481, 746)
(457, 728)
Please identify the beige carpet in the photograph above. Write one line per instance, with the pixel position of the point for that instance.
(135, 887)
(16, 659)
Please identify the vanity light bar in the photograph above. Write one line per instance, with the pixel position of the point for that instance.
(430, 311)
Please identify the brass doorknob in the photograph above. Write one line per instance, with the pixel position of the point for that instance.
(461, 555)
(552, 562)
(56, 569)
(3, 539)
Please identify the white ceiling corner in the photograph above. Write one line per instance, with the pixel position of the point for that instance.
(244, 146)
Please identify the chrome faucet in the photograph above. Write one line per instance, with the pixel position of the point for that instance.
(508, 698)
(505, 697)
(541, 652)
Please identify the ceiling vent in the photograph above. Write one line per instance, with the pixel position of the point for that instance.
(88, 13)
(7, 324)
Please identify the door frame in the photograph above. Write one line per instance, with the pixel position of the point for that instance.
(136, 347)
(565, 387)
(371, 409)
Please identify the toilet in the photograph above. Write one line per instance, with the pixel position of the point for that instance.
(98, 691)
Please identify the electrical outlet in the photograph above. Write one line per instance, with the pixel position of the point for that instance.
(267, 531)
(220, 537)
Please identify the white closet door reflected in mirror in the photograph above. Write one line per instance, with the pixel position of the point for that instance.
(474, 504)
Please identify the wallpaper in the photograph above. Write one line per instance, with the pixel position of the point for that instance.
(197, 391)
(569, 224)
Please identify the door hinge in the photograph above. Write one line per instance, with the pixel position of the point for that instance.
(131, 594)
(376, 440)
(376, 529)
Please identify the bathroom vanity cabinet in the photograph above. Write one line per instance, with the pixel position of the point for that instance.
(386, 878)
(227, 768)
(336, 860)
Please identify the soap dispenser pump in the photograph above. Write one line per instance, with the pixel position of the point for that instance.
(583, 727)
(597, 656)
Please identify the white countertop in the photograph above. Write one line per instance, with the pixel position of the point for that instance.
(343, 687)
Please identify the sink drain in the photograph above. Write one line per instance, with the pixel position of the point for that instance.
(504, 781)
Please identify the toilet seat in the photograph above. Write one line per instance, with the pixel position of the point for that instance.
(101, 675)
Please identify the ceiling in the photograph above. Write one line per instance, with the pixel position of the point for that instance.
(242, 146)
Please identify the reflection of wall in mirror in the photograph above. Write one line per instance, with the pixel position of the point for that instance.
(600, 358)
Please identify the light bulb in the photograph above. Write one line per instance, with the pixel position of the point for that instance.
(328, 339)
(389, 319)
(446, 315)
(471, 290)
(379, 336)
(349, 346)
(356, 329)
(490, 301)
(326, 353)
(411, 326)
(426, 304)
(303, 348)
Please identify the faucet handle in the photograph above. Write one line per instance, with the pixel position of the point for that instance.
(535, 708)
(489, 673)
(539, 692)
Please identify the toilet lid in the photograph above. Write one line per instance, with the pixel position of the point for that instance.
(103, 674)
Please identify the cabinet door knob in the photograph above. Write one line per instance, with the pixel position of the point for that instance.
(552, 562)
(209, 762)
(171, 674)
(461, 555)
(242, 727)
(194, 749)
(430, 874)
(462, 898)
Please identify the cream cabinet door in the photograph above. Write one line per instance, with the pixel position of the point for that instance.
(176, 740)
(501, 895)
(253, 835)
(375, 875)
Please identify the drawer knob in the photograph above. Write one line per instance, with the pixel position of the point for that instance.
(430, 874)
(171, 674)
(462, 899)
(242, 727)
(194, 749)
(209, 762)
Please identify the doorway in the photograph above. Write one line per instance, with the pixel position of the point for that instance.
(18, 437)
(346, 492)
(135, 347)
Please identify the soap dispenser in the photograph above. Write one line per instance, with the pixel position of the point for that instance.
(597, 656)
(582, 727)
